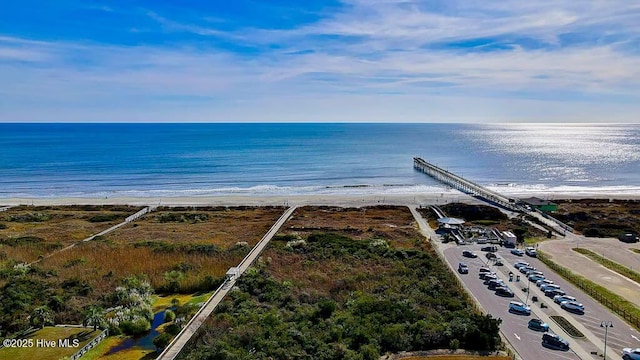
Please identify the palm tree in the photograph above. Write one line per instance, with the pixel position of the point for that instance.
(94, 315)
(42, 315)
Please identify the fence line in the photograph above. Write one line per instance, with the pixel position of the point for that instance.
(90, 345)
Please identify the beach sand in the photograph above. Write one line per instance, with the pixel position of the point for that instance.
(299, 200)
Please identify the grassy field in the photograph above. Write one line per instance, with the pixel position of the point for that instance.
(600, 217)
(331, 288)
(49, 334)
(383, 222)
(201, 244)
(27, 232)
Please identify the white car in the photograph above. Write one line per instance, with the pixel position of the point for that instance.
(572, 306)
(531, 252)
(519, 308)
(558, 299)
(631, 354)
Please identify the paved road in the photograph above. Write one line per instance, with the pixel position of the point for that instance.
(178, 343)
(613, 249)
(620, 336)
(526, 342)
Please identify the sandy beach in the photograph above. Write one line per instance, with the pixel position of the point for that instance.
(332, 200)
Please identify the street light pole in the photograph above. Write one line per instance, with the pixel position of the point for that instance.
(526, 302)
(606, 325)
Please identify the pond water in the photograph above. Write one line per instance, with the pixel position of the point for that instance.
(144, 341)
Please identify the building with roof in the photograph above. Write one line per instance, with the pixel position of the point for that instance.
(540, 204)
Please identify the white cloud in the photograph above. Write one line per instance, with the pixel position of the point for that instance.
(372, 60)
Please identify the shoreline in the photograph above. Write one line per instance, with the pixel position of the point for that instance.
(300, 200)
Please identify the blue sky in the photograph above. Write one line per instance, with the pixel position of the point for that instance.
(349, 60)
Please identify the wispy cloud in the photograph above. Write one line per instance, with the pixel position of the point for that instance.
(364, 60)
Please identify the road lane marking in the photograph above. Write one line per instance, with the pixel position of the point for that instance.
(633, 336)
(517, 337)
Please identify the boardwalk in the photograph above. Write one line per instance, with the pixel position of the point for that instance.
(178, 343)
(104, 232)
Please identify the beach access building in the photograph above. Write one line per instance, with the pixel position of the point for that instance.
(542, 205)
(509, 238)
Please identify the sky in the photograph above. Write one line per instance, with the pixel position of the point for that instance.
(320, 61)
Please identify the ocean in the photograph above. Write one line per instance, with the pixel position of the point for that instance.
(168, 160)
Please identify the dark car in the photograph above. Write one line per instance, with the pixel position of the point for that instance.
(494, 284)
(463, 268)
(504, 292)
(490, 255)
(553, 341)
(553, 292)
(538, 325)
(490, 248)
(469, 254)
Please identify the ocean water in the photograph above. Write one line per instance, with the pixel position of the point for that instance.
(152, 160)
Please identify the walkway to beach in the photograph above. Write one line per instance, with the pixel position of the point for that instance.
(178, 343)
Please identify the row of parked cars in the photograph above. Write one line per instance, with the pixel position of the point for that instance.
(494, 283)
(549, 288)
(529, 251)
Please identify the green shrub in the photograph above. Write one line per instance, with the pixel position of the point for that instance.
(169, 316)
(161, 341)
(136, 326)
(104, 218)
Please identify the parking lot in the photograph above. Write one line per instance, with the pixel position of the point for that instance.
(527, 342)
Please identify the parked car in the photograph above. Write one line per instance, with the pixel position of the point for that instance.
(494, 284)
(498, 262)
(469, 254)
(491, 275)
(504, 292)
(553, 341)
(484, 269)
(531, 252)
(519, 308)
(572, 306)
(539, 283)
(553, 292)
(520, 264)
(463, 268)
(517, 252)
(490, 255)
(534, 272)
(492, 248)
(549, 287)
(631, 354)
(558, 299)
(535, 277)
(525, 269)
(538, 325)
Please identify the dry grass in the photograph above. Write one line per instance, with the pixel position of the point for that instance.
(103, 264)
(64, 225)
(394, 224)
(224, 226)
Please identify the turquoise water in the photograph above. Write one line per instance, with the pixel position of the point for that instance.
(149, 160)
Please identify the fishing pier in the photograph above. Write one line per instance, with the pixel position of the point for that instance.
(464, 185)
